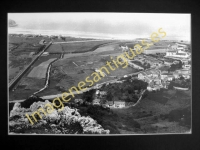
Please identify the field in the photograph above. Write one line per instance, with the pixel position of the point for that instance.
(71, 69)
(40, 71)
(55, 48)
(19, 50)
(65, 74)
(68, 38)
(36, 40)
(149, 111)
(29, 85)
(76, 47)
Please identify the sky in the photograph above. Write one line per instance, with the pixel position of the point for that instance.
(125, 25)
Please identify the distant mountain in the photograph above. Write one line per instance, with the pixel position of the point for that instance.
(11, 23)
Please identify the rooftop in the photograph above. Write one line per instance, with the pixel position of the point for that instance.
(119, 102)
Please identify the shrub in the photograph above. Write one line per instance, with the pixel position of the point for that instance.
(28, 102)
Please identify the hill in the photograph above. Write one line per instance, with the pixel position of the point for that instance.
(11, 23)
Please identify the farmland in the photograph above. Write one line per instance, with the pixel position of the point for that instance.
(79, 62)
(19, 54)
(29, 85)
(76, 47)
(40, 71)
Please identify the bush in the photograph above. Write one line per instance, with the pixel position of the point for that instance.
(28, 102)
(183, 116)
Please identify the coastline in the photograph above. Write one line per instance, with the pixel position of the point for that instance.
(58, 32)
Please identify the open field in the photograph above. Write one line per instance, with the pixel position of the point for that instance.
(35, 40)
(55, 48)
(19, 53)
(65, 74)
(40, 71)
(76, 47)
(86, 65)
(27, 85)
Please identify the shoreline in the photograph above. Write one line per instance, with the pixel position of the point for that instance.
(59, 32)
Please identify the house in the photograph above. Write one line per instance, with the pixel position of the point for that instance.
(184, 71)
(141, 76)
(96, 102)
(45, 54)
(165, 75)
(31, 54)
(149, 88)
(103, 93)
(156, 88)
(153, 73)
(110, 103)
(180, 48)
(177, 54)
(157, 82)
(168, 62)
(186, 66)
(78, 101)
(119, 104)
(176, 74)
(124, 48)
(164, 69)
(105, 105)
(174, 47)
(97, 92)
(170, 77)
(42, 42)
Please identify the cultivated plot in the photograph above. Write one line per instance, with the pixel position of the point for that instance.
(40, 71)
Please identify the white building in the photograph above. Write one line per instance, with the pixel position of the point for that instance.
(45, 54)
(96, 102)
(177, 54)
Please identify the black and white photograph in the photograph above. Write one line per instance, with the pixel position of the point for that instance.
(99, 73)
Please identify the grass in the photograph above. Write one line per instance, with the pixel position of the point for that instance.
(76, 47)
(35, 40)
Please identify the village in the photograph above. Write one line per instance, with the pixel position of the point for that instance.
(158, 75)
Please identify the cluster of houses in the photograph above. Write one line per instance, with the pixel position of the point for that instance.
(111, 104)
(157, 79)
(178, 51)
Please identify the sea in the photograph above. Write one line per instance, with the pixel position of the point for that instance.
(80, 34)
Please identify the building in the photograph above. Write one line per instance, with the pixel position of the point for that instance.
(78, 101)
(154, 73)
(164, 69)
(119, 104)
(124, 48)
(168, 62)
(132, 64)
(177, 54)
(170, 77)
(42, 42)
(142, 75)
(110, 103)
(156, 50)
(96, 102)
(103, 93)
(186, 66)
(45, 54)
(181, 45)
(164, 75)
(31, 54)
(174, 47)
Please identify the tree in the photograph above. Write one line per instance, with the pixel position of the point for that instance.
(88, 96)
